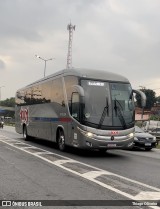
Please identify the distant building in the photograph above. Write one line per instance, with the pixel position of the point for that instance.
(139, 116)
(156, 109)
(147, 113)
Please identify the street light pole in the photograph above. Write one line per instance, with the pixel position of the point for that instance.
(45, 67)
(0, 91)
(45, 61)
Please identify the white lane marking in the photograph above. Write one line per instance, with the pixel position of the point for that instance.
(148, 196)
(60, 162)
(43, 153)
(91, 175)
(39, 153)
(95, 174)
(31, 147)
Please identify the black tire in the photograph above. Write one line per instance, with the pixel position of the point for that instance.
(148, 149)
(25, 135)
(102, 151)
(61, 140)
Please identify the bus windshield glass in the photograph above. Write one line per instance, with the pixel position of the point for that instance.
(108, 105)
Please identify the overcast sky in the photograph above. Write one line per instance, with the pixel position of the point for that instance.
(121, 36)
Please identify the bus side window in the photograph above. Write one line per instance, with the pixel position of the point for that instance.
(75, 105)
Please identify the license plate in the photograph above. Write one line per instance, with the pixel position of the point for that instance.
(111, 145)
(147, 144)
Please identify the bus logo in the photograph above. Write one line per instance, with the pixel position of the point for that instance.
(24, 115)
(114, 132)
(95, 83)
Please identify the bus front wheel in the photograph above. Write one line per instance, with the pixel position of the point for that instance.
(102, 151)
(61, 140)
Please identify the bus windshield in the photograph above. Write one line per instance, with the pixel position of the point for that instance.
(108, 105)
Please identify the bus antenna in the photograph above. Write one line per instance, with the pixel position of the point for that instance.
(70, 28)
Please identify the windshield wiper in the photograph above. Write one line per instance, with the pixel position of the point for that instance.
(119, 113)
(105, 111)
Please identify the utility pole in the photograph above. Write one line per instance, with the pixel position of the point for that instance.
(70, 28)
(45, 60)
(143, 88)
(0, 91)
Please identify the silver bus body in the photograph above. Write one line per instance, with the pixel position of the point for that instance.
(83, 108)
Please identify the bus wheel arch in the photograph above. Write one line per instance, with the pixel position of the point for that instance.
(60, 139)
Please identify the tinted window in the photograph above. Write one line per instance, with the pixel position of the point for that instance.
(57, 91)
(108, 104)
(50, 91)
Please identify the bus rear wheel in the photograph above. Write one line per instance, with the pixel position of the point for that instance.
(61, 140)
(25, 135)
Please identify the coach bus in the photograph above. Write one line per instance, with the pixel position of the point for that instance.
(89, 109)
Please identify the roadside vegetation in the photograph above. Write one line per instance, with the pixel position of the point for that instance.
(158, 146)
(8, 103)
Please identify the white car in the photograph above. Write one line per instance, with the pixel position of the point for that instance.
(143, 139)
(155, 132)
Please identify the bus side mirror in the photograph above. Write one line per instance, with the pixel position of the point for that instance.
(79, 89)
(143, 97)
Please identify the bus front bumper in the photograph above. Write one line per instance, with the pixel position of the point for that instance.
(88, 140)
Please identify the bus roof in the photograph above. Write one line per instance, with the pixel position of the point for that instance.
(87, 74)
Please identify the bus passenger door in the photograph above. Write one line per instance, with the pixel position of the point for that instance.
(76, 114)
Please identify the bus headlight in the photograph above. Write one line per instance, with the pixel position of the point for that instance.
(131, 135)
(89, 134)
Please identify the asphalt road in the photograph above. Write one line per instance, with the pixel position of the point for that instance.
(36, 170)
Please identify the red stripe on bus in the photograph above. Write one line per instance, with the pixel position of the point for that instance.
(65, 119)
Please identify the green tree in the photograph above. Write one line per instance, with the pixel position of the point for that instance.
(8, 102)
(150, 96)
